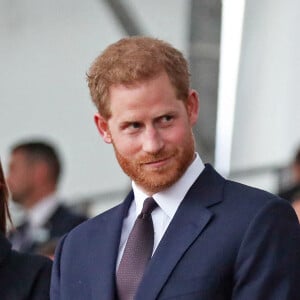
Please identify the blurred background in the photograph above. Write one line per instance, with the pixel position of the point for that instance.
(245, 63)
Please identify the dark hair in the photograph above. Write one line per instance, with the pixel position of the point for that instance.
(297, 157)
(41, 151)
(4, 213)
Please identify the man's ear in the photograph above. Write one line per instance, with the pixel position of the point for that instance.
(192, 106)
(102, 126)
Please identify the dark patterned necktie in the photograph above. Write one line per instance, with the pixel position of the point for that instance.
(137, 253)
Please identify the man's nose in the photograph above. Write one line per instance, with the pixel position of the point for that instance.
(152, 140)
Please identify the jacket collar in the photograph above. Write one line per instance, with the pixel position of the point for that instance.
(191, 218)
(5, 247)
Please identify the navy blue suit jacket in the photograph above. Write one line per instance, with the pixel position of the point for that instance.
(226, 241)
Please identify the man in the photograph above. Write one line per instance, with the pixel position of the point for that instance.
(213, 239)
(33, 177)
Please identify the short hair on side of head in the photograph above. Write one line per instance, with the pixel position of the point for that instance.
(4, 212)
(133, 60)
(37, 150)
(297, 157)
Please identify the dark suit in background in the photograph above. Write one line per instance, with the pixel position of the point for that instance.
(226, 241)
(60, 222)
(23, 276)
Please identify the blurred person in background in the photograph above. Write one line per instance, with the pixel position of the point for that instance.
(23, 276)
(292, 193)
(33, 176)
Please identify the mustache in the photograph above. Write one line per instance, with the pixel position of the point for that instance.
(150, 158)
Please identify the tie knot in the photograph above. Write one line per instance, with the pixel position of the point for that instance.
(148, 207)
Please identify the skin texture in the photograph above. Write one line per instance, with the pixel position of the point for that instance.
(151, 131)
(20, 177)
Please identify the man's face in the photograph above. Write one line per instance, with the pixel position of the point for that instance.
(151, 132)
(19, 177)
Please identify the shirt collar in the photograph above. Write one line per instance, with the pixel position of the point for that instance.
(40, 213)
(170, 199)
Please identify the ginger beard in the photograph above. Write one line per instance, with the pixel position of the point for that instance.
(153, 180)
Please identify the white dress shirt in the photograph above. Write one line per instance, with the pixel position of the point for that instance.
(168, 202)
(35, 219)
(41, 212)
(38, 215)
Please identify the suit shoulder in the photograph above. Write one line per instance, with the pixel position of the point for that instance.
(25, 276)
(239, 194)
(29, 262)
(249, 201)
(248, 193)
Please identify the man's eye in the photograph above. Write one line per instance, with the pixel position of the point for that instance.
(135, 125)
(166, 119)
(132, 127)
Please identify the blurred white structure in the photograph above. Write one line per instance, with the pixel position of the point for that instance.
(265, 129)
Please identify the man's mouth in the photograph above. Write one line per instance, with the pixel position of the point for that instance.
(157, 162)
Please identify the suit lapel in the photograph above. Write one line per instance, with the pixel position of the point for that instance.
(191, 218)
(105, 251)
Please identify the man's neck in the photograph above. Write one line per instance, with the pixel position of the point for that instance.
(37, 197)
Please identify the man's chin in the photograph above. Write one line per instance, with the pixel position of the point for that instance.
(157, 183)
